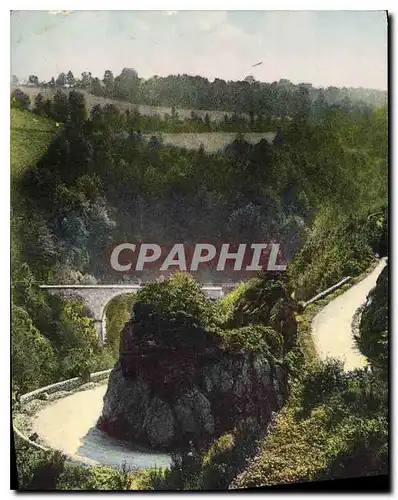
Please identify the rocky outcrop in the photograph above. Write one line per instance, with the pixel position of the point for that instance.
(174, 383)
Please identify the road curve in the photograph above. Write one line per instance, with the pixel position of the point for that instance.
(68, 425)
(331, 328)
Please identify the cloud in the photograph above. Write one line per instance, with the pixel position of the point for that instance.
(169, 12)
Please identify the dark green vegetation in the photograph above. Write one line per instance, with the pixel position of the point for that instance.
(373, 336)
(183, 363)
(257, 100)
(320, 191)
(335, 424)
(39, 470)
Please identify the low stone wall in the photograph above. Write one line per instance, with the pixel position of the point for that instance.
(327, 291)
(65, 385)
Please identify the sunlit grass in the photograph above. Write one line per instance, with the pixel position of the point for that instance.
(30, 137)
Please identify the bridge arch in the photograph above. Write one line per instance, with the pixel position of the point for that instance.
(97, 297)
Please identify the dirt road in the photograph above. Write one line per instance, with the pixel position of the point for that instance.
(68, 425)
(331, 328)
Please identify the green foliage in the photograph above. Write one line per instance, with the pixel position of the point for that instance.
(337, 247)
(253, 303)
(326, 163)
(227, 304)
(78, 340)
(373, 335)
(179, 293)
(258, 338)
(257, 101)
(49, 471)
(347, 229)
(34, 361)
(209, 469)
(240, 319)
(335, 426)
(118, 312)
(30, 136)
(99, 478)
(19, 100)
(228, 456)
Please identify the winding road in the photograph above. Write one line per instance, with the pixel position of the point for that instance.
(331, 328)
(68, 424)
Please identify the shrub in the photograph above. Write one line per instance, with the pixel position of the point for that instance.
(34, 362)
(178, 293)
(228, 455)
(373, 336)
(254, 338)
(19, 99)
(335, 426)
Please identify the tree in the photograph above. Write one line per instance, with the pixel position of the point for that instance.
(14, 81)
(109, 81)
(60, 106)
(250, 79)
(86, 80)
(320, 104)
(39, 104)
(96, 113)
(77, 107)
(70, 79)
(34, 80)
(96, 87)
(174, 114)
(20, 100)
(303, 102)
(51, 83)
(61, 80)
(127, 84)
(32, 366)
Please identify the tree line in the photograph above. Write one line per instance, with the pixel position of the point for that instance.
(249, 96)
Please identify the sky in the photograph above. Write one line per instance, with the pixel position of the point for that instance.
(339, 48)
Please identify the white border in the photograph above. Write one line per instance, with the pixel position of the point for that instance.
(147, 5)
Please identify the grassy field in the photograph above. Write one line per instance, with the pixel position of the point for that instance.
(212, 141)
(92, 100)
(30, 136)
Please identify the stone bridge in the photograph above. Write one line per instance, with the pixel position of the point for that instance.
(96, 298)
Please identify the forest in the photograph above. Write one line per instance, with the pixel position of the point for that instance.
(320, 190)
(248, 97)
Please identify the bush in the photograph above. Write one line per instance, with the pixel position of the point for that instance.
(39, 470)
(373, 329)
(179, 293)
(36, 469)
(335, 426)
(228, 456)
(34, 362)
(19, 99)
(337, 247)
(254, 338)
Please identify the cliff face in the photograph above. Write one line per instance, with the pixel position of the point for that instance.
(174, 383)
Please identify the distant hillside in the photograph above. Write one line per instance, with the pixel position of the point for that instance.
(92, 100)
(249, 98)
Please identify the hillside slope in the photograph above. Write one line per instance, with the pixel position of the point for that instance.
(30, 136)
(92, 100)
